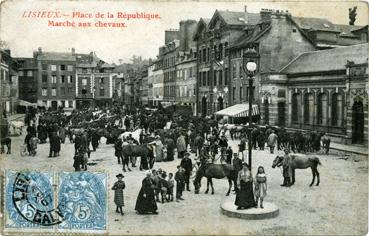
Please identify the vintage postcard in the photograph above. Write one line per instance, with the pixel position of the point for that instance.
(184, 117)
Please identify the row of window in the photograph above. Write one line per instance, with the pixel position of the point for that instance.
(243, 93)
(322, 109)
(170, 61)
(185, 91)
(169, 76)
(63, 91)
(28, 73)
(186, 73)
(56, 67)
(85, 79)
(205, 80)
(53, 79)
(220, 51)
(169, 91)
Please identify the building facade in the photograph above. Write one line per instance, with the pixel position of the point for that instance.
(56, 79)
(94, 81)
(326, 92)
(9, 82)
(28, 79)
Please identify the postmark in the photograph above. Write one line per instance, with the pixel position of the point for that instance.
(82, 199)
(29, 201)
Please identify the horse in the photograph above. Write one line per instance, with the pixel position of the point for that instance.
(299, 161)
(6, 142)
(218, 171)
(144, 151)
(135, 135)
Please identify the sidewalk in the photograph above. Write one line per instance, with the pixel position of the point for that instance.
(361, 150)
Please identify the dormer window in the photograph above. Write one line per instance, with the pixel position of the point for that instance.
(294, 30)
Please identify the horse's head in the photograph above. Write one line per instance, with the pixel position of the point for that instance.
(278, 161)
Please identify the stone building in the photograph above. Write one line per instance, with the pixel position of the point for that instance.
(9, 82)
(156, 76)
(214, 38)
(94, 81)
(326, 91)
(28, 79)
(186, 65)
(168, 53)
(56, 79)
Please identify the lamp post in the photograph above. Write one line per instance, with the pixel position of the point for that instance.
(250, 58)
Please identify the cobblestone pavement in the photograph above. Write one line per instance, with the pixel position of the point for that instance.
(338, 206)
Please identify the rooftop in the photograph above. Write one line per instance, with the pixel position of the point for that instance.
(327, 60)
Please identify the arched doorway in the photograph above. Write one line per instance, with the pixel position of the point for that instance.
(266, 111)
(358, 122)
(220, 103)
(204, 107)
(54, 105)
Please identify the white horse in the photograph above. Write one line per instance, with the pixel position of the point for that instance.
(17, 125)
(135, 135)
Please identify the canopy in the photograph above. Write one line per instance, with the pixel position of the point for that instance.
(238, 110)
(25, 103)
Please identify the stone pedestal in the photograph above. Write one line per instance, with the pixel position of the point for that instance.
(270, 210)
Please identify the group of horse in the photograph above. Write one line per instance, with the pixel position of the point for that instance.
(220, 171)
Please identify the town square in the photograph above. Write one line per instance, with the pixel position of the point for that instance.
(244, 119)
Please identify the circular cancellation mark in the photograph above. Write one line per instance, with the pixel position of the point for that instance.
(33, 199)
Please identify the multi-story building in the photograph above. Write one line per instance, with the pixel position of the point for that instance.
(158, 82)
(9, 82)
(186, 65)
(144, 99)
(94, 81)
(214, 38)
(56, 79)
(326, 91)
(28, 79)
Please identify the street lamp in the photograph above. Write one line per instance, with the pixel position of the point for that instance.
(250, 66)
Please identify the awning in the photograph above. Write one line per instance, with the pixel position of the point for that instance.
(27, 104)
(238, 110)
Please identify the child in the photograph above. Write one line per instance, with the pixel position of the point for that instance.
(118, 194)
(170, 187)
(260, 186)
(163, 187)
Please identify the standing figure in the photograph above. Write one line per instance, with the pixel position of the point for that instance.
(118, 188)
(181, 145)
(186, 164)
(272, 141)
(242, 146)
(145, 202)
(180, 179)
(260, 186)
(245, 195)
(286, 169)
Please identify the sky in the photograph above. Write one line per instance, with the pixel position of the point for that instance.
(140, 37)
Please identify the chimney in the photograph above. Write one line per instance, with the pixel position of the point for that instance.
(73, 51)
(265, 14)
(246, 16)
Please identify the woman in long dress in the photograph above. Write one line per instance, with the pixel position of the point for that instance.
(118, 188)
(260, 186)
(245, 196)
(158, 148)
(145, 202)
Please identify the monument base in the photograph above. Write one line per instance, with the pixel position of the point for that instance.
(270, 210)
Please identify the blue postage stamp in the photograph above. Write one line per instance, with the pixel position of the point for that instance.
(82, 200)
(29, 201)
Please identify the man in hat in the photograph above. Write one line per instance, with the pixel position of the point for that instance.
(180, 179)
(186, 164)
(118, 193)
(286, 171)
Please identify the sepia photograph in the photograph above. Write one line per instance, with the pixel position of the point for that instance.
(206, 117)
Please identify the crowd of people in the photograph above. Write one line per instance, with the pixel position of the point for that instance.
(165, 134)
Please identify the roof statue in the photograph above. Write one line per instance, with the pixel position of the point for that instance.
(352, 15)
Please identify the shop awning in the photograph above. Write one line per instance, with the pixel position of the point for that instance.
(238, 110)
(27, 104)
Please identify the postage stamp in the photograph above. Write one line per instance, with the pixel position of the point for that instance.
(29, 201)
(82, 199)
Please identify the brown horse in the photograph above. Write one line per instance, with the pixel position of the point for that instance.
(299, 161)
(218, 171)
